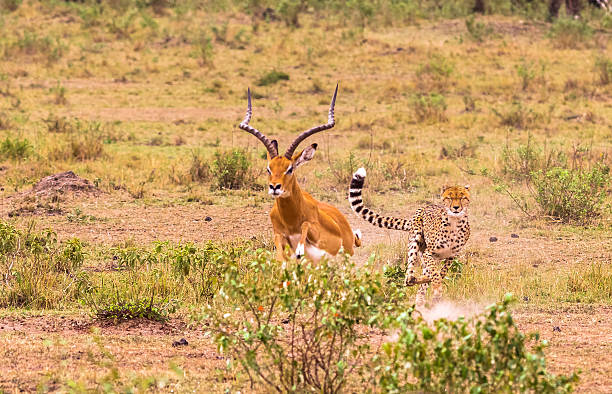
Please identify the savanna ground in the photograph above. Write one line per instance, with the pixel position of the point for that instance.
(144, 102)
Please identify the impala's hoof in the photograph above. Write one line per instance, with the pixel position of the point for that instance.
(299, 251)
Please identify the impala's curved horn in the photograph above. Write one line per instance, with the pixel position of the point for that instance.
(331, 122)
(271, 147)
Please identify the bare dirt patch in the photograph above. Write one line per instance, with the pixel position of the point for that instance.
(51, 351)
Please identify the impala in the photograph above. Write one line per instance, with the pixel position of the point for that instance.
(308, 227)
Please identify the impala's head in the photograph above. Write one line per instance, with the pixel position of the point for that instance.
(456, 199)
(281, 169)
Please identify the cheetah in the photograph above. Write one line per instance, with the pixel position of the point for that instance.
(437, 232)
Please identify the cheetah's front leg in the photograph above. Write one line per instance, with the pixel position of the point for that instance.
(439, 278)
(413, 251)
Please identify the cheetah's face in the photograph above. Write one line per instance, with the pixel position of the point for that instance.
(456, 199)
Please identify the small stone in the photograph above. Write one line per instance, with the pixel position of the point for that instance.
(556, 329)
(526, 299)
(514, 235)
(207, 219)
(493, 239)
(180, 342)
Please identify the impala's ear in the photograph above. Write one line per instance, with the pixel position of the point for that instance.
(275, 144)
(304, 156)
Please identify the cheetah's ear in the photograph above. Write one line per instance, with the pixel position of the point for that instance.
(467, 187)
(443, 189)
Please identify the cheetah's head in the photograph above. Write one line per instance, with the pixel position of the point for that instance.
(456, 199)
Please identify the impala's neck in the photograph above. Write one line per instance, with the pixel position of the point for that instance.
(291, 207)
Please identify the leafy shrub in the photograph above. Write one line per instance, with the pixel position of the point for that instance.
(118, 309)
(272, 77)
(435, 74)
(478, 31)
(570, 33)
(571, 195)
(304, 327)
(603, 69)
(518, 116)
(486, 354)
(232, 169)
(566, 190)
(526, 73)
(429, 108)
(203, 49)
(10, 5)
(15, 149)
(295, 327)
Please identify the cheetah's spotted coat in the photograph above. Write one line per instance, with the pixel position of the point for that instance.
(437, 232)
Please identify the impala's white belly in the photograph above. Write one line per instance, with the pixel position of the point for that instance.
(313, 253)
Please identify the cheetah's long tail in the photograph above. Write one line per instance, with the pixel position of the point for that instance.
(356, 201)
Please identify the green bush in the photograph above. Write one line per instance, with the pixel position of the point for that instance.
(429, 108)
(484, 354)
(231, 168)
(299, 327)
(568, 33)
(295, 327)
(518, 116)
(435, 74)
(603, 69)
(272, 77)
(478, 31)
(571, 195)
(15, 149)
(559, 188)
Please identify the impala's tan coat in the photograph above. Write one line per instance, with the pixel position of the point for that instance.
(301, 224)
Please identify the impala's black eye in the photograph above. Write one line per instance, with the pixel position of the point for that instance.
(269, 172)
(289, 170)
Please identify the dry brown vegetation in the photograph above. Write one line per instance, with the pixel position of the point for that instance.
(144, 103)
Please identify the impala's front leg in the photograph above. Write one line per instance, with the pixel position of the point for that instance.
(280, 242)
(301, 246)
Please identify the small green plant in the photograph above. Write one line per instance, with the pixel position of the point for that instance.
(119, 309)
(526, 73)
(568, 33)
(429, 108)
(435, 74)
(518, 116)
(231, 169)
(478, 31)
(199, 171)
(272, 77)
(77, 216)
(203, 49)
(59, 94)
(486, 354)
(603, 69)
(15, 149)
(10, 5)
